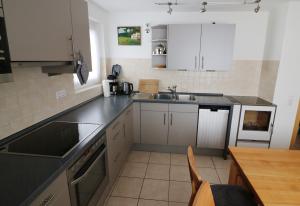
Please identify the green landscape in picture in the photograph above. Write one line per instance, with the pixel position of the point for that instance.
(129, 35)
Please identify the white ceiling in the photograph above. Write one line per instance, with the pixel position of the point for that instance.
(189, 5)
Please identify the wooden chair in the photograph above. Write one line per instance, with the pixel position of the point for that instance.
(195, 177)
(204, 196)
(223, 195)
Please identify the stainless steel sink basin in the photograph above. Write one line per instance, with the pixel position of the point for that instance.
(162, 96)
(185, 97)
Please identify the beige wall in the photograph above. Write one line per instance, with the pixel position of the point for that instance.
(32, 98)
(243, 79)
(268, 79)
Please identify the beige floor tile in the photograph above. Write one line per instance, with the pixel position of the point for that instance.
(179, 159)
(223, 175)
(159, 158)
(133, 169)
(178, 204)
(157, 171)
(204, 161)
(179, 191)
(138, 156)
(219, 162)
(179, 173)
(152, 203)
(155, 190)
(117, 201)
(209, 174)
(128, 187)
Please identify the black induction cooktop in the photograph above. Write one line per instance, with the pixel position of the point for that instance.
(54, 139)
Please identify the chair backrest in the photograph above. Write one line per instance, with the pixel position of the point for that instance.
(204, 196)
(195, 177)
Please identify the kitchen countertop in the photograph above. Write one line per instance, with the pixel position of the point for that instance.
(249, 100)
(24, 177)
(201, 99)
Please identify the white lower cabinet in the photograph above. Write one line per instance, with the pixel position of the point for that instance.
(182, 128)
(168, 124)
(119, 139)
(154, 127)
(56, 194)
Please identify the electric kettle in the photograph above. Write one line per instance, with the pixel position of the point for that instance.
(127, 88)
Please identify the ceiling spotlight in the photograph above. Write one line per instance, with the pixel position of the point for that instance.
(204, 4)
(170, 10)
(256, 10)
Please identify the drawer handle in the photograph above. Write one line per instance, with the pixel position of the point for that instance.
(117, 157)
(171, 122)
(127, 113)
(116, 124)
(116, 135)
(164, 118)
(47, 200)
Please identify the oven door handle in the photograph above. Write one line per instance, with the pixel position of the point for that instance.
(74, 182)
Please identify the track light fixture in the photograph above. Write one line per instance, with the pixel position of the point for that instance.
(204, 4)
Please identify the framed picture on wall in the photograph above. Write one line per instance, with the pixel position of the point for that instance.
(129, 35)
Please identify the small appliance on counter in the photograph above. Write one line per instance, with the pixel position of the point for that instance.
(126, 88)
(112, 82)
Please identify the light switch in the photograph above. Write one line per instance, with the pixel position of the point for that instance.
(61, 94)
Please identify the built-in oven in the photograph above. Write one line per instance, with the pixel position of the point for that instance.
(256, 123)
(88, 176)
(5, 66)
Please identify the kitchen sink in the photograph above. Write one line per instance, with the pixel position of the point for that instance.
(185, 97)
(162, 96)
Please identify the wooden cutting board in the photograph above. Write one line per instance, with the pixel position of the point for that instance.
(149, 86)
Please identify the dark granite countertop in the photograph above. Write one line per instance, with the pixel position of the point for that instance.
(22, 177)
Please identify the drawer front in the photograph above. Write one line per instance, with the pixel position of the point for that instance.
(56, 194)
(158, 107)
(115, 164)
(190, 108)
(253, 144)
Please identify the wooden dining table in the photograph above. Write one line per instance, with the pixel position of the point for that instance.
(272, 175)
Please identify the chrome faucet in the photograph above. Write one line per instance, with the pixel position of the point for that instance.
(173, 90)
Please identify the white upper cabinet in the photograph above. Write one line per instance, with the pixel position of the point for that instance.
(81, 36)
(200, 47)
(39, 30)
(47, 31)
(184, 46)
(217, 45)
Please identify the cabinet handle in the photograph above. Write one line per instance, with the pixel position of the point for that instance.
(124, 128)
(115, 137)
(202, 64)
(117, 157)
(195, 62)
(115, 125)
(47, 200)
(164, 118)
(171, 122)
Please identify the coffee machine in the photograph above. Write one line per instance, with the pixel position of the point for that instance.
(113, 79)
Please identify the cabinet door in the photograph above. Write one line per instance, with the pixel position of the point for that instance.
(137, 122)
(154, 127)
(39, 30)
(56, 194)
(182, 128)
(184, 46)
(128, 128)
(81, 35)
(217, 44)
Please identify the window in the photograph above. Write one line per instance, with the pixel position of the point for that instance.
(94, 76)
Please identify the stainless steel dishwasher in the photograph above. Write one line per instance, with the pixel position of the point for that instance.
(212, 127)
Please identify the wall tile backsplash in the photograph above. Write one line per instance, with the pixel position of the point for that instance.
(243, 79)
(32, 98)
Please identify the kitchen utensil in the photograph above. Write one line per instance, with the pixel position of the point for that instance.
(149, 86)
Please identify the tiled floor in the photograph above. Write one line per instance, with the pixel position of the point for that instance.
(162, 179)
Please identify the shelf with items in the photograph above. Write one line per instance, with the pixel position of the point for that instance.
(159, 46)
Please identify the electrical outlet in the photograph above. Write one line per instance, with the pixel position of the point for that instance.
(61, 94)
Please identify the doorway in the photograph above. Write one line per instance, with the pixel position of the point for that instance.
(295, 142)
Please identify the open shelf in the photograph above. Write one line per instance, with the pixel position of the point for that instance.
(159, 37)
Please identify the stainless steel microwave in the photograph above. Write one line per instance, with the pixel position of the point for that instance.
(5, 66)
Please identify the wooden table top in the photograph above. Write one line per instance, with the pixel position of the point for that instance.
(273, 174)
